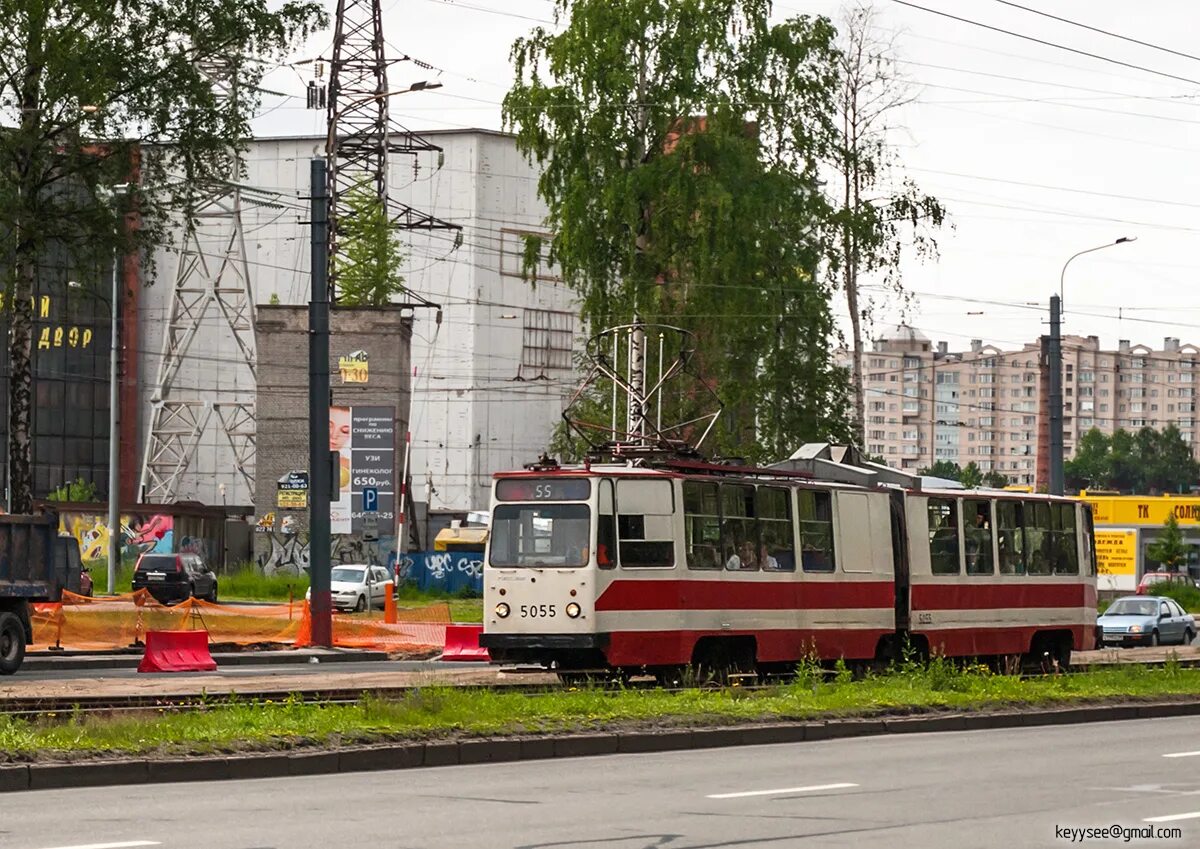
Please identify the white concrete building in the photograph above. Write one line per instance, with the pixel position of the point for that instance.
(491, 381)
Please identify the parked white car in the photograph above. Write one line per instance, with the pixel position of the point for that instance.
(353, 584)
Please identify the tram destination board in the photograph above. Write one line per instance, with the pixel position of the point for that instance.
(543, 489)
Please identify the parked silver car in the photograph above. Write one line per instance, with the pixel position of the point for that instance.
(1145, 620)
(353, 584)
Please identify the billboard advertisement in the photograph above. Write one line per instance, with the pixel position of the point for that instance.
(364, 439)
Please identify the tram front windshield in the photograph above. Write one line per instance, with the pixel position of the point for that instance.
(537, 535)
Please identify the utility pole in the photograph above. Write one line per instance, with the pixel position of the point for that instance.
(1054, 363)
(320, 469)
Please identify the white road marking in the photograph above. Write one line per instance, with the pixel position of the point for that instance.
(784, 791)
(1182, 755)
(1192, 816)
(126, 845)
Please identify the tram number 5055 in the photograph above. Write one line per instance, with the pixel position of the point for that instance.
(537, 611)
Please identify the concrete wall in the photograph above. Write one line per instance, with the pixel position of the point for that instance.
(476, 408)
(384, 333)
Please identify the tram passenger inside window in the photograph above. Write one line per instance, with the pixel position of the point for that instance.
(814, 557)
(743, 558)
(978, 540)
(768, 562)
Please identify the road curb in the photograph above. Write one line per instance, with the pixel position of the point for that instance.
(412, 755)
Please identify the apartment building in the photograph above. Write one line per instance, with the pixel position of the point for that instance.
(925, 403)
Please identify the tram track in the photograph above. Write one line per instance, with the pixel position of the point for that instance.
(69, 708)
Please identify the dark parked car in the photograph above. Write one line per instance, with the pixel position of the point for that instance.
(175, 577)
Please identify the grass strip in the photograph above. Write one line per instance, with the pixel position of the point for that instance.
(438, 711)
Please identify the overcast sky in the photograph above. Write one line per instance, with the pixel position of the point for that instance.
(1037, 152)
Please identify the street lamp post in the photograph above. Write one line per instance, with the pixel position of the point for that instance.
(1054, 365)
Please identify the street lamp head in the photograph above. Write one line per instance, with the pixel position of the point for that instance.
(74, 284)
(1125, 239)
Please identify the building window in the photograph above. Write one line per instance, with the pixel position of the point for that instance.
(547, 343)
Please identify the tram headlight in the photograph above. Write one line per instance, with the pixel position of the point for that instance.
(502, 610)
(573, 610)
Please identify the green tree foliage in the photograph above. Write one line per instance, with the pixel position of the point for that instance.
(78, 80)
(367, 266)
(878, 212)
(995, 480)
(1169, 548)
(77, 491)
(942, 469)
(679, 144)
(1148, 461)
(971, 476)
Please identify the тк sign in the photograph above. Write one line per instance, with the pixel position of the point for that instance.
(365, 439)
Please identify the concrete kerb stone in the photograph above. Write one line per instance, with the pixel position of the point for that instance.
(189, 769)
(15, 777)
(441, 753)
(656, 741)
(373, 758)
(582, 745)
(537, 748)
(922, 724)
(272, 765)
(48, 776)
(482, 751)
(1155, 711)
(314, 763)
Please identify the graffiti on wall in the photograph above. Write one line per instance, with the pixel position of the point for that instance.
(289, 552)
(448, 571)
(139, 535)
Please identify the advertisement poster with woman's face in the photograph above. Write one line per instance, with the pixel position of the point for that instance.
(339, 441)
(363, 438)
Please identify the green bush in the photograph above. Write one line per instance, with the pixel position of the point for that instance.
(1186, 595)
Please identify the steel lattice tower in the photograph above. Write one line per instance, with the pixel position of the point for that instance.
(205, 282)
(361, 137)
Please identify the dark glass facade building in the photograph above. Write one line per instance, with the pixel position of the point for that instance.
(71, 348)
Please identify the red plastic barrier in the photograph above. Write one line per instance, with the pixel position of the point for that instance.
(177, 651)
(462, 643)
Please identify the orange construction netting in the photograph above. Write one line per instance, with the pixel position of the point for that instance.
(84, 623)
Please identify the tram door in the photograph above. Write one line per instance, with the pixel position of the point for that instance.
(900, 557)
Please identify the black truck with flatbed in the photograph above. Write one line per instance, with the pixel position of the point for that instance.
(36, 565)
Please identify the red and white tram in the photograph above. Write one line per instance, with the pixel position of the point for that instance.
(650, 568)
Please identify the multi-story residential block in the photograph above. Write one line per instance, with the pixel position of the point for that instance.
(925, 403)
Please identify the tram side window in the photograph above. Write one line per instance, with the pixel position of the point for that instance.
(606, 530)
(1089, 542)
(739, 534)
(1011, 537)
(1066, 555)
(644, 528)
(777, 551)
(1039, 535)
(702, 525)
(943, 536)
(977, 516)
(815, 513)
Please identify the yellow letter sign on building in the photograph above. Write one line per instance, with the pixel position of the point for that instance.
(353, 367)
(1125, 524)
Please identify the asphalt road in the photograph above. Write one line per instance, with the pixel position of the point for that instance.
(1006, 788)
